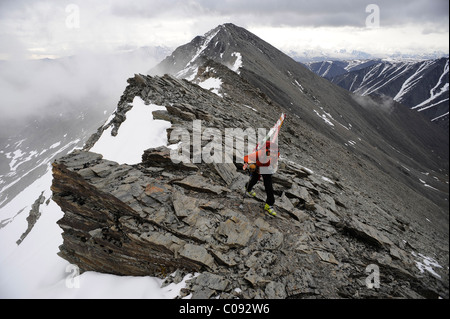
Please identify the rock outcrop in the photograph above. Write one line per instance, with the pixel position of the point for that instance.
(145, 220)
(32, 217)
(159, 218)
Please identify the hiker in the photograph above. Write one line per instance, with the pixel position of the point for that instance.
(263, 163)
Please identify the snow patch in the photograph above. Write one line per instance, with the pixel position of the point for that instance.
(137, 133)
(299, 85)
(14, 156)
(325, 117)
(440, 116)
(251, 108)
(433, 104)
(212, 84)
(39, 164)
(34, 270)
(55, 145)
(406, 168)
(237, 63)
(426, 263)
(205, 44)
(191, 68)
(427, 185)
(188, 73)
(326, 179)
(435, 92)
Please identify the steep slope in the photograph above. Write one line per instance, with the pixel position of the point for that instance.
(385, 140)
(159, 216)
(26, 155)
(422, 86)
(346, 194)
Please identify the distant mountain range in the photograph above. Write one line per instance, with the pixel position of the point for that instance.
(311, 56)
(422, 85)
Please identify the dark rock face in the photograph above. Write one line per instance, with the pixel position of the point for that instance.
(381, 133)
(142, 220)
(159, 217)
(32, 217)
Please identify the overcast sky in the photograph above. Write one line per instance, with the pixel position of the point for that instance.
(36, 29)
(42, 28)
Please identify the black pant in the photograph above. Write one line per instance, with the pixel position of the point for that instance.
(267, 185)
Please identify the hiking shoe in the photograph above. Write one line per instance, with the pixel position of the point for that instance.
(270, 210)
(250, 193)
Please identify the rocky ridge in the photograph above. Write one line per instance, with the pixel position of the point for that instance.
(387, 136)
(159, 218)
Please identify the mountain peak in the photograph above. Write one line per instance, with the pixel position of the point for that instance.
(295, 89)
(220, 44)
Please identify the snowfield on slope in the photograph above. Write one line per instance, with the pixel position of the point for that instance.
(34, 270)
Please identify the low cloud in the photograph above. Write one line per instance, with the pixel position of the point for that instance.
(37, 88)
(38, 27)
(381, 102)
(42, 25)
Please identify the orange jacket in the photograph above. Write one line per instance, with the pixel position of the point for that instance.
(262, 158)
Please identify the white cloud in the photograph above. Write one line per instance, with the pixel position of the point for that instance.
(39, 28)
(408, 39)
(38, 88)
